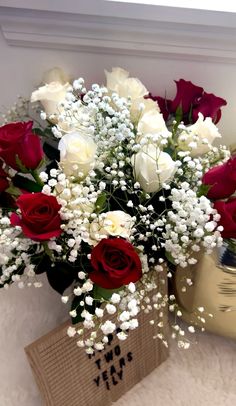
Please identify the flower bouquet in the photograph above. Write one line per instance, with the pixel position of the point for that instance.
(100, 189)
(105, 191)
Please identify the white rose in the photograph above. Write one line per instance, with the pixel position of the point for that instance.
(112, 223)
(152, 167)
(206, 132)
(77, 154)
(50, 95)
(115, 77)
(152, 122)
(118, 81)
(56, 75)
(140, 107)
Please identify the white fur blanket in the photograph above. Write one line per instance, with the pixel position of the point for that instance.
(204, 375)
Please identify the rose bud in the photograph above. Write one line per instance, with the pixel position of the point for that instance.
(17, 141)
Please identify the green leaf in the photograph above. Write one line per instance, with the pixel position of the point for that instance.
(42, 263)
(35, 175)
(13, 191)
(102, 293)
(39, 132)
(100, 203)
(46, 132)
(51, 151)
(169, 257)
(203, 190)
(169, 151)
(61, 276)
(190, 114)
(20, 165)
(41, 163)
(179, 114)
(75, 305)
(24, 183)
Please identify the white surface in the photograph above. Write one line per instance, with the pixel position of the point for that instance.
(21, 70)
(25, 316)
(202, 375)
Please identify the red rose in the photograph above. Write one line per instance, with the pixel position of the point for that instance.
(186, 96)
(39, 218)
(17, 139)
(209, 105)
(115, 263)
(4, 183)
(222, 179)
(191, 99)
(227, 210)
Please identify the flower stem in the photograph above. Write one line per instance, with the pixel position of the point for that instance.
(36, 177)
(47, 250)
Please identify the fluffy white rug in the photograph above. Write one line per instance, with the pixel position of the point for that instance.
(205, 375)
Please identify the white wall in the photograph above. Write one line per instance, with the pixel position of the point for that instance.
(27, 314)
(21, 70)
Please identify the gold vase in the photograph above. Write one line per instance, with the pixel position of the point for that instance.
(210, 301)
